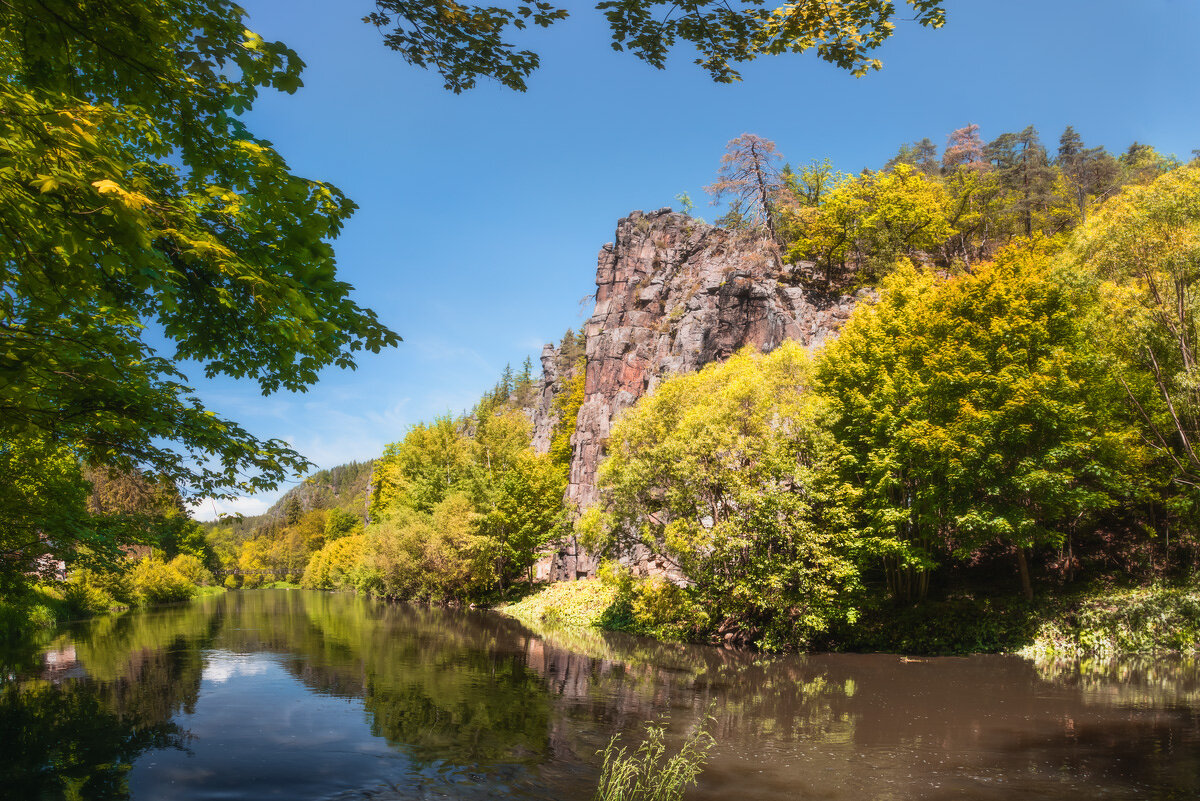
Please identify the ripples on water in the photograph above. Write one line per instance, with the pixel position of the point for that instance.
(298, 695)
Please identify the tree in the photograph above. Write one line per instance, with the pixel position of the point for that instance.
(523, 514)
(1023, 168)
(964, 148)
(134, 201)
(922, 155)
(1091, 172)
(523, 385)
(868, 222)
(432, 460)
(723, 473)
(976, 410)
(1147, 241)
(465, 42)
(751, 178)
(566, 405)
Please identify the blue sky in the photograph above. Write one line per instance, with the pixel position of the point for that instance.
(481, 214)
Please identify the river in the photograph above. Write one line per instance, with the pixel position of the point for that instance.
(304, 695)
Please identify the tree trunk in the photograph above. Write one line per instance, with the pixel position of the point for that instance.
(1026, 584)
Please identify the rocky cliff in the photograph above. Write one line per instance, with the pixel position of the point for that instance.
(672, 294)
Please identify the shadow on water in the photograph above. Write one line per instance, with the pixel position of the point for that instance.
(309, 695)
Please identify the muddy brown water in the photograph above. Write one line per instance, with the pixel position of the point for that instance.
(299, 695)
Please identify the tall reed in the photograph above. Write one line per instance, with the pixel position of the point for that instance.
(648, 774)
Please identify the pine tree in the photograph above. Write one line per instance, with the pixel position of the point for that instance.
(506, 383)
(524, 388)
(1089, 171)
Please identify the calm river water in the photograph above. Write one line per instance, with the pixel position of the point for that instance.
(299, 695)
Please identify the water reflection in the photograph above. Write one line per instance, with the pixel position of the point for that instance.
(306, 695)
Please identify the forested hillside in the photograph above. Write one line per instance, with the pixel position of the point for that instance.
(961, 383)
(1008, 413)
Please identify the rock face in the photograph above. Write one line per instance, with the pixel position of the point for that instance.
(672, 295)
(542, 414)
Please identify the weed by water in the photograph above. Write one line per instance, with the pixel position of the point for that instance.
(648, 774)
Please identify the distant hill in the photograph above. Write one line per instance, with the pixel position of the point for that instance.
(344, 487)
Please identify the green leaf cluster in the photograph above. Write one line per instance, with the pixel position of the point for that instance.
(464, 42)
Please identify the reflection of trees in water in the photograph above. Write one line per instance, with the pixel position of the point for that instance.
(75, 740)
(460, 689)
(1143, 681)
(1126, 727)
(446, 685)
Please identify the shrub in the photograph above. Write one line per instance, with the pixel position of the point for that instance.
(192, 569)
(666, 611)
(22, 615)
(156, 582)
(84, 599)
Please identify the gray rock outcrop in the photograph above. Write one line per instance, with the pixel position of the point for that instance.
(672, 295)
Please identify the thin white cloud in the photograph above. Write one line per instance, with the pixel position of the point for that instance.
(214, 508)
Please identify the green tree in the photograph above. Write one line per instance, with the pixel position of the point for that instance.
(920, 155)
(1029, 181)
(134, 199)
(977, 410)
(724, 474)
(1090, 172)
(868, 222)
(1147, 241)
(566, 405)
(340, 524)
(523, 384)
(418, 471)
(523, 514)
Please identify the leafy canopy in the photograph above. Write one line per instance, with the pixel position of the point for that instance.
(465, 42)
(136, 209)
(976, 410)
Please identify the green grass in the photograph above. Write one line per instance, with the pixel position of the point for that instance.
(648, 773)
(1145, 620)
(564, 605)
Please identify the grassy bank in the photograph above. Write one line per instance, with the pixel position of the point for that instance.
(567, 605)
(45, 607)
(1094, 621)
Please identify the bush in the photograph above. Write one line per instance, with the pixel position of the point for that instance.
(156, 582)
(20, 616)
(84, 599)
(191, 568)
(332, 567)
(666, 611)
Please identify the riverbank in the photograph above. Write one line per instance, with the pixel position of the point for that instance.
(46, 607)
(1091, 622)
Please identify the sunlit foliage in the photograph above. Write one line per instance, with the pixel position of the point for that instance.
(976, 410)
(725, 473)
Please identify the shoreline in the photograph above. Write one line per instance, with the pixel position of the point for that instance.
(1094, 622)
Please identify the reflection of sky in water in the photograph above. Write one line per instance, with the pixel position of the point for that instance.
(474, 707)
(221, 666)
(316, 744)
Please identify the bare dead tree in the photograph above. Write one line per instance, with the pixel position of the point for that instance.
(750, 178)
